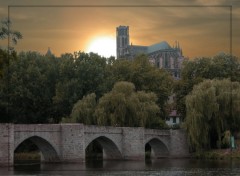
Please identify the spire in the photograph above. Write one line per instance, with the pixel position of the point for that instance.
(49, 53)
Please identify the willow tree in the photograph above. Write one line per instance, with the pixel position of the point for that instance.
(212, 109)
(194, 71)
(83, 110)
(123, 106)
(145, 77)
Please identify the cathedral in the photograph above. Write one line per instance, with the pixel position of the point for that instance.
(162, 55)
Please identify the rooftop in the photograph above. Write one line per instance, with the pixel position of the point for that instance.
(158, 46)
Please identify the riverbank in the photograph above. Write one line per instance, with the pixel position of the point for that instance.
(27, 156)
(220, 154)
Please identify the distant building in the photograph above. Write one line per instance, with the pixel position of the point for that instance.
(173, 118)
(160, 54)
(49, 52)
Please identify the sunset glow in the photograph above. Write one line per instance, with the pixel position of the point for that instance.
(104, 46)
(201, 28)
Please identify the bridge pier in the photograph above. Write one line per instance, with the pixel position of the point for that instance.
(72, 147)
(6, 144)
(133, 143)
(178, 144)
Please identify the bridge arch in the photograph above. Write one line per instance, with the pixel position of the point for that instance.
(45, 147)
(158, 149)
(110, 149)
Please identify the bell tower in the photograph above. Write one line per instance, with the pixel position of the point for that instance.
(122, 41)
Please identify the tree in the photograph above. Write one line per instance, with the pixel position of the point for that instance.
(83, 110)
(79, 74)
(195, 71)
(212, 109)
(7, 32)
(123, 106)
(28, 89)
(145, 77)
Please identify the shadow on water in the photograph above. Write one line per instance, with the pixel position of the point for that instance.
(27, 166)
(27, 157)
(94, 155)
(96, 165)
(160, 167)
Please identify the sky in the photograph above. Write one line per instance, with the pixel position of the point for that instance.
(202, 27)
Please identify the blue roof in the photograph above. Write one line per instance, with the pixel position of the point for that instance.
(159, 46)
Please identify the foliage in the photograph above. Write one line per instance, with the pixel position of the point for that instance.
(145, 77)
(195, 71)
(226, 139)
(212, 108)
(29, 87)
(123, 106)
(19, 157)
(5, 31)
(83, 110)
(39, 88)
(79, 75)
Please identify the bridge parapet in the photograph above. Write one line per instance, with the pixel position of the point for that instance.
(102, 129)
(157, 132)
(37, 128)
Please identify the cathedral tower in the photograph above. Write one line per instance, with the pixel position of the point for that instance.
(122, 41)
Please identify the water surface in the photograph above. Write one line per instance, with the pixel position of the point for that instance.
(161, 167)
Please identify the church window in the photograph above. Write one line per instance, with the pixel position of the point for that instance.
(175, 63)
(166, 62)
(123, 42)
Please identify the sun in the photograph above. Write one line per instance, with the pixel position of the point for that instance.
(104, 46)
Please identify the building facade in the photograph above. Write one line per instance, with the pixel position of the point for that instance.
(162, 55)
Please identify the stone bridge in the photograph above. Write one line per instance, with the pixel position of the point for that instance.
(68, 142)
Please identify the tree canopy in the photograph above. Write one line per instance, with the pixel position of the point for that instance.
(38, 88)
(122, 106)
(145, 77)
(195, 71)
(83, 110)
(212, 109)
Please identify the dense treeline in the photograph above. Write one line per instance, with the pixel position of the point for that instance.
(90, 89)
(122, 106)
(208, 98)
(195, 71)
(87, 88)
(37, 88)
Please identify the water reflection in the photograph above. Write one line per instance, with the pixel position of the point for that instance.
(160, 167)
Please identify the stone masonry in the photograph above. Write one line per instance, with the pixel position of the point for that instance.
(67, 142)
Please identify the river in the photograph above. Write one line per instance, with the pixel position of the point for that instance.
(161, 167)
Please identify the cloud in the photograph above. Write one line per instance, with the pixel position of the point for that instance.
(192, 26)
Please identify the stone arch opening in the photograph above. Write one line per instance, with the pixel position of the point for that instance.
(105, 147)
(35, 148)
(155, 148)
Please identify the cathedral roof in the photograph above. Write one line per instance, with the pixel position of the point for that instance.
(158, 46)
